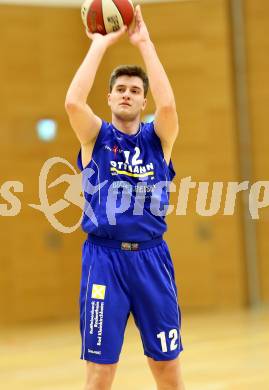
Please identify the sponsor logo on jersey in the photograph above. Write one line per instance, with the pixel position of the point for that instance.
(120, 168)
(133, 166)
(98, 291)
(114, 149)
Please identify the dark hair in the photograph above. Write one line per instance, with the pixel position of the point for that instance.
(129, 70)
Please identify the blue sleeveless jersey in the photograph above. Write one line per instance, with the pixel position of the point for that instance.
(126, 185)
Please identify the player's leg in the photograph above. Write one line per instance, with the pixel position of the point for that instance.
(102, 319)
(167, 374)
(99, 376)
(157, 314)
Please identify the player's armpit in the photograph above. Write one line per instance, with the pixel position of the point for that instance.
(86, 152)
(84, 122)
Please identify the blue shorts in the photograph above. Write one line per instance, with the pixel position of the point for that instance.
(123, 278)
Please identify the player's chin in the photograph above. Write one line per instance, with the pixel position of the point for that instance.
(126, 116)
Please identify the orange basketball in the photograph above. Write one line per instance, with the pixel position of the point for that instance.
(105, 16)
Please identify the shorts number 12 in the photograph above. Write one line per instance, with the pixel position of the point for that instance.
(173, 335)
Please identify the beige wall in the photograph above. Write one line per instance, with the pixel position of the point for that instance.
(40, 268)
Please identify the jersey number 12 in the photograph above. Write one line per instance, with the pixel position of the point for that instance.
(135, 158)
(173, 335)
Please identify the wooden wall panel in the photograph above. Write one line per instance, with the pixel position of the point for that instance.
(41, 267)
(257, 30)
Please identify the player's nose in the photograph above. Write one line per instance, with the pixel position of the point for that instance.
(126, 94)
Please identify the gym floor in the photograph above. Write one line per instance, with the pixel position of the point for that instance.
(226, 351)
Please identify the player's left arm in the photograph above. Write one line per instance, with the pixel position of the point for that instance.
(166, 118)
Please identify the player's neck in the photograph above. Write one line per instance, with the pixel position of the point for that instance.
(128, 127)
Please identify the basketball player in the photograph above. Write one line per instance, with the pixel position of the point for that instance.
(126, 265)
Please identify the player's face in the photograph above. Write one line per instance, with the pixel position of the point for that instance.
(126, 99)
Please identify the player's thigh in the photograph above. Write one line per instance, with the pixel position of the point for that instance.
(104, 305)
(99, 376)
(155, 305)
(167, 373)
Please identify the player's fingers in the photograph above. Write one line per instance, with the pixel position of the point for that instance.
(112, 37)
(89, 34)
(131, 27)
(138, 14)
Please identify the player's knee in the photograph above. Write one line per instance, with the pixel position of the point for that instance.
(99, 376)
(168, 375)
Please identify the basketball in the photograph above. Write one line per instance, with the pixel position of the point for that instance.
(105, 16)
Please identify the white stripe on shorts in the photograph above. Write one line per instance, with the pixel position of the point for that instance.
(85, 308)
(173, 290)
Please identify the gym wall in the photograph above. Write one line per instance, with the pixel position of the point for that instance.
(41, 50)
(257, 50)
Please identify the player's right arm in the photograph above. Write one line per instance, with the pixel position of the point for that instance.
(82, 119)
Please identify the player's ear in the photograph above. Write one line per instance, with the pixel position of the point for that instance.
(108, 98)
(144, 104)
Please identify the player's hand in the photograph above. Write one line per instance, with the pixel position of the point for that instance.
(138, 32)
(108, 39)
